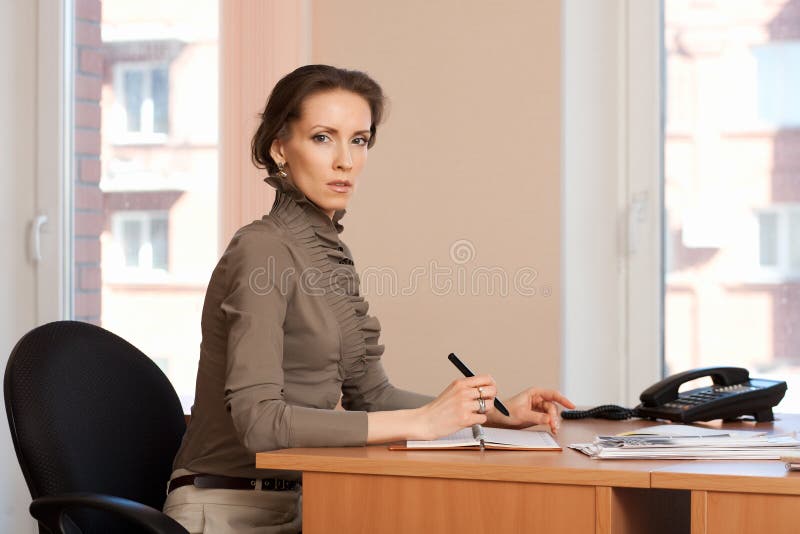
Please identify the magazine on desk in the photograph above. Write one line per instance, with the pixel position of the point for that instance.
(684, 442)
(494, 438)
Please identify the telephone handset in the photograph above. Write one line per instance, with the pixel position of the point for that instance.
(732, 394)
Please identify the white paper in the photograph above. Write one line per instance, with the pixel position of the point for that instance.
(519, 438)
(497, 437)
(689, 431)
(743, 445)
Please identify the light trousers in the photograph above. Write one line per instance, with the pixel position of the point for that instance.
(222, 511)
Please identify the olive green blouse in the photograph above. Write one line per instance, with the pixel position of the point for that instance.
(285, 333)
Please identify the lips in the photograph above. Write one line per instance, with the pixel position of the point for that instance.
(340, 186)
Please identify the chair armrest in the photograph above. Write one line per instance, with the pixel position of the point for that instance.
(49, 511)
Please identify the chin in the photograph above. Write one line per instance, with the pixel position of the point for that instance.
(338, 206)
(332, 206)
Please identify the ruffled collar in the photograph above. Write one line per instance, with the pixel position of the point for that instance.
(313, 230)
(286, 189)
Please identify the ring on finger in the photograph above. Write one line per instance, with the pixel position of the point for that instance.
(480, 393)
(481, 406)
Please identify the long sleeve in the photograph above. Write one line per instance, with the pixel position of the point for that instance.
(373, 392)
(255, 311)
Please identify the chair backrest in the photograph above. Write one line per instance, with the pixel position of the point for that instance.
(90, 412)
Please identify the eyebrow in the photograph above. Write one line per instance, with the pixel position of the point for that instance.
(334, 130)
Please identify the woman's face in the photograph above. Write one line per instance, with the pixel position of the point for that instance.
(325, 146)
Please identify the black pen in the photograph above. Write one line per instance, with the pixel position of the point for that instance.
(465, 370)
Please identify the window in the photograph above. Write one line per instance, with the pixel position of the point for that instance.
(760, 81)
(778, 83)
(731, 188)
(142, 90)
(142, 189)
(142, 237)
(779, 241)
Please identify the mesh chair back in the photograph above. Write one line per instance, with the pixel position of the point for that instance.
(90, 412)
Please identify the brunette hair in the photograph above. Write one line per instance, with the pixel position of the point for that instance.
(286, 99)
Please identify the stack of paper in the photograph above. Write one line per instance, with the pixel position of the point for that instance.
(683, 442)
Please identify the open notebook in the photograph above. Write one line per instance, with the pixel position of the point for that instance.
(495, 438)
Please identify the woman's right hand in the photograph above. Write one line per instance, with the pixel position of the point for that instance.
(456, 407)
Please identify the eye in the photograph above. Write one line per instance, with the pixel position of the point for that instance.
(320, 138)
(360, 141)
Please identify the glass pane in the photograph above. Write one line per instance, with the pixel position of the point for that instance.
(131, 242)
(794, 242)
(133, 99)
(146, 180)
(768, 239)
(158, 240)
(732, 290)
(160, 94)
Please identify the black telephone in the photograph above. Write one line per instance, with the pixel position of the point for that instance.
(732, 394)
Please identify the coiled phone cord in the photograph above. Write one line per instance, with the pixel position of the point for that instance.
(606, 411)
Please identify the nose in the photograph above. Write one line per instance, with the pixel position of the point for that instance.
(344, 160)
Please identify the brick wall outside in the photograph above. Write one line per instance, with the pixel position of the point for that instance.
(88, 199)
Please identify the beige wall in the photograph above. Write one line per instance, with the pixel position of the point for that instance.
(470, 151)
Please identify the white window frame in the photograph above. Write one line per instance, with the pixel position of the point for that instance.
(146, 135)
(145, 218)
(55, 162)
(612, 200)
(783, 271)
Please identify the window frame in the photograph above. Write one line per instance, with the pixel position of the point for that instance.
(748, 99)
(121, 135)
(782, 272)
(145, 218)
(613, 219)
(55, 162)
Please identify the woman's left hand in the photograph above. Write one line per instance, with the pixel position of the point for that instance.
(533, 406)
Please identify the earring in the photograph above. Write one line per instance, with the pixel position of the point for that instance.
(281, 172)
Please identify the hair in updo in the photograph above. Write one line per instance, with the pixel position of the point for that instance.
(287, 97)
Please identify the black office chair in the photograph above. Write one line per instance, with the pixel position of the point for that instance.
(95, 425)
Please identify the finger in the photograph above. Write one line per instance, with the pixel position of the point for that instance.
(555, 420)
(536, 418)
(486, 392)
(477, 419)
(553, 395)
(474, 406)
(479, 380)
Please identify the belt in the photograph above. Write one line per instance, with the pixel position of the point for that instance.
(223, 482)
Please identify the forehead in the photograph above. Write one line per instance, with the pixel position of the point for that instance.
(338, 108)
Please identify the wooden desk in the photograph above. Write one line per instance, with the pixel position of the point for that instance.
(371, 489)
(739, 496)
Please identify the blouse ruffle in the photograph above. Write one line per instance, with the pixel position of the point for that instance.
(319, 235)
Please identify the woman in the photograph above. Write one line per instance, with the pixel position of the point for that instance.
(286, 332)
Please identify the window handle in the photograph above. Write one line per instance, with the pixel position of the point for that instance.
(637, 218)
(35, 240)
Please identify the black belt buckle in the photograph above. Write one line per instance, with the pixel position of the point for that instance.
(277, 484)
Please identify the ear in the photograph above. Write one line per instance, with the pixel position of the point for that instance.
(276, 150)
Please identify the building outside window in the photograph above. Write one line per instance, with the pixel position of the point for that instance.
(146, 160)
(732, 188)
